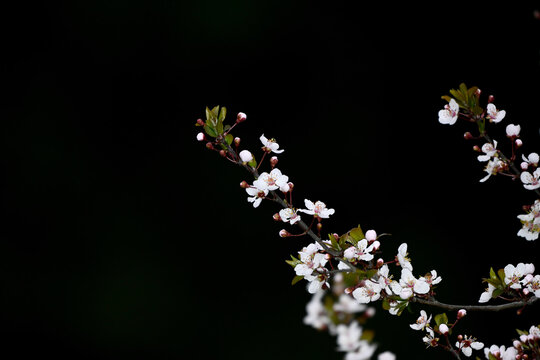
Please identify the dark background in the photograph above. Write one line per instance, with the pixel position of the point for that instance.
(122, 236)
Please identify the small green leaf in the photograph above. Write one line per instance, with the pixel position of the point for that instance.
(356, 234)
(222, 114)
(441, 319)
(371, 273)
(253, 163)
(492, 274)
(386, 304)
(521, 332)
(296, 279)
(293, 262)
(219, 128)
(229, 139)
(491, 357)
(367, 335)
(334, 242)
(446, 97)
(496, 293)
(502, 276)
(210, 130)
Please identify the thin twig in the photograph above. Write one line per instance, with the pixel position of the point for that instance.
(491, 308)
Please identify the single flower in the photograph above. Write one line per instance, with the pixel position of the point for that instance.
(493, 114)
(421, 322)
(489, 151)
(531, 181)
(431, 278)
(289, 215)
(409, 281)
(402, 258)
(256, 195)
(487, 295)
(534, 286)
(318, 209)
(532, 159)
(273, 181)
(348, 336)
(270, 145)
(245, 156)
(468, 344)
(493, 167)
(370, 291)
(513, 275)
(359, 252)
(513, 130)
(449, 114)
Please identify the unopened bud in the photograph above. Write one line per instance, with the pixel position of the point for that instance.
(461, 313)
(201, 137)
(276, 217)
(524, 165)
(209, 146)
(467, 136)
(376, 245)
(319, 226)
(200, 122)
(519, 143)
(491, 98)
(443, 328)
(523, 338)
(241, 117)
(460, 337)
(291, 186)
(380, 262)
(244, 184)
(478, 92)
(477, 148)
(349, 290)
(284, 233)
(371, 235)
(328, 256)
(516, 344)
(525, 357)
(273, 161)
(336, 236)
(512, 130)
(245, 156)
(237, 141)
(223, 153)
(370, 312)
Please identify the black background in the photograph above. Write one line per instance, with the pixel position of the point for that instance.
(123, 236)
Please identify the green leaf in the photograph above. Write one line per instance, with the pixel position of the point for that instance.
(492, 274)
(521, 332)
(367, 335)
(222, 114)
(446, 97)
(441, 319)
(371, 273)
(491, 357)
(210, 130)
(296, 279)
(334, 242)
(253, 163)
(502, 276)
(229, 139)
(219, 128)
(293, 262)
(496, 293)
(386, 304)
(356, 234)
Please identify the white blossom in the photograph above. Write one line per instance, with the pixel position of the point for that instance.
(402, 258)
(513, 275)
(534, 285)
(531, 181)
(256, 195)
(421, 322)
(501, 352)
(493, 167)
(486, 295)
(489, 151)
(468, 344)
(449, 114)
(310, 259)
(318, 209)
(289, 215)
(200, 136)
(532, 159)
(387, 355)
(384, 279)
(530, 222)
(370, 291)
(273, 181)
(316, 314)
(443, 328)
(364, 352)
(534, 332)
(431, 278)
(348, 336)
(359, 252)
(409, 281)
(245, 156)
(371, 235)
(348, 304)
(493, 114)
(270, 145)
(512, 130)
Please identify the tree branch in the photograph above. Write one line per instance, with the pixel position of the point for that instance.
(489, 308)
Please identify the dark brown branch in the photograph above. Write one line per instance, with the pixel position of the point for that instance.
(491, 308)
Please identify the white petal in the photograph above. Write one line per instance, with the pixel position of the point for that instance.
(309, 204)
(477, 345)
(421, 287)
(467, 351)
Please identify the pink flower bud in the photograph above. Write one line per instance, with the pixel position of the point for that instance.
(273, 161)
(244, 184)
(467, 136)
(519, 143)
(349, 290)
(245, 156)
(241, 117)
(223, 153)
(523, 338)
(291, 186)
(477, 148)
(200, 122)
(237, 141)
(370, 312)
(516, 344)
(319, 226)
(443, 328)
(461, 313)
(478, 92)
(376, 245)
(209, 146)
(380, 262)
(328, 256)
(371, 235)
(524, 165)
(491, 98)
(200, 137)
(284, 233)
(460, 337)
(276, 217)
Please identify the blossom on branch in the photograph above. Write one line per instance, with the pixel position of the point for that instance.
(289, 215)
(369, 291)
(489, 151)
(493, 114)
(532, 159)
(270, 145)
(449, 114)
(467, 344)
(530, 222)
(512, 130)
(410, 284)
(421, 322)
(493, 167)
(318, 209)
(348, 336)
(256, 195)
(531, 181)
(272, 181)
(513, 274)
(431, 278)
(501, 352)
(359, 252)
(487, 295)
(402, 258)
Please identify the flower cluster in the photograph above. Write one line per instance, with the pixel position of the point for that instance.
(530, 222)
(516, 280)
(526, 347)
